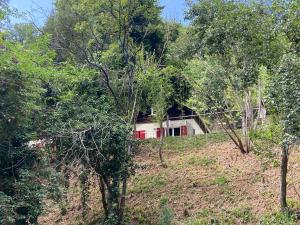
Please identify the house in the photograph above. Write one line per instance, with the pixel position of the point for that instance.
(180, 121)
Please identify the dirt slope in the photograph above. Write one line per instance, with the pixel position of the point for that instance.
(210, 184)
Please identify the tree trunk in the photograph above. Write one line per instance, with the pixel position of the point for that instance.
(109, 194)
(261, 112)
(247, 120)
(234, 137)
(103, 195)
(122, 200)
(167, 132)
(283, 174)
(161, 142)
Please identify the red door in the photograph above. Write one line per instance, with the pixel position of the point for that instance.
(183, 130)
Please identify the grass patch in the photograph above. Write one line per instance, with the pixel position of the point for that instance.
(279, 219)
(244, 214)
(139, 215)
(239, 215)
(221, 180)
(206, 161)
(209, 217)
(143, 184)
(179, 144)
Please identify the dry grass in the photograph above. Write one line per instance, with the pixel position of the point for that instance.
(211, 184)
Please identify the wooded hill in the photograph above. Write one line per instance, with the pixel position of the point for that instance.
(71, 92)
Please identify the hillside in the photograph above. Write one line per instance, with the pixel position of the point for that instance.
(206, 181)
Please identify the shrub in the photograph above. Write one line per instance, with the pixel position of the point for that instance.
(167, 214)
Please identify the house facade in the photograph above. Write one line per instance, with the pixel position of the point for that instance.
(180, 121)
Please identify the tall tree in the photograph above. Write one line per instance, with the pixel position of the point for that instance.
(284, 86)
(159, 91)
(111, 38)
(285, 94)
(22, 70)
(240, 38)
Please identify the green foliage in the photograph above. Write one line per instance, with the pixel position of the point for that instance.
(285, 12)
(228, 37)
(159, 90)
(285, 95)
(80, 24)
(28, 197)
(181, 48)
(235, 31)
(265, 139)
(208, 80)
(3, 10)
(25, 33)
(167, 214)
(87, 131)
(108, 57)
(7, 209)
(21, 72)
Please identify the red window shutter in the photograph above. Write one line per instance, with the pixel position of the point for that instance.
(183, 130)
(142, 134)
(136, 134)
(157, 132)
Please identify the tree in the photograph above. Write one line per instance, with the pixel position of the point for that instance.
(25, 33)
(239, 37)
(285, 93)
(159, 90)
(22, 70)
(88, 132)
(284, 86)
(111, 38)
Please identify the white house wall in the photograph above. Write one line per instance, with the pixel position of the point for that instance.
(190, 123)
(150, 128)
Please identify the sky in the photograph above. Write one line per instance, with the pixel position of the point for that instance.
(174, 9)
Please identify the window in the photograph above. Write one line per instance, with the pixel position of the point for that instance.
(177, 131)
(153, 113)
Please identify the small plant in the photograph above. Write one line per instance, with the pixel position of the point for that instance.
(221, 180)
(244, 214)
(167, 214)
(207, 161)
(140, 216)
(265, 139)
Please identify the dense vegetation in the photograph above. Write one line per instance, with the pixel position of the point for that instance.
(71, 92)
